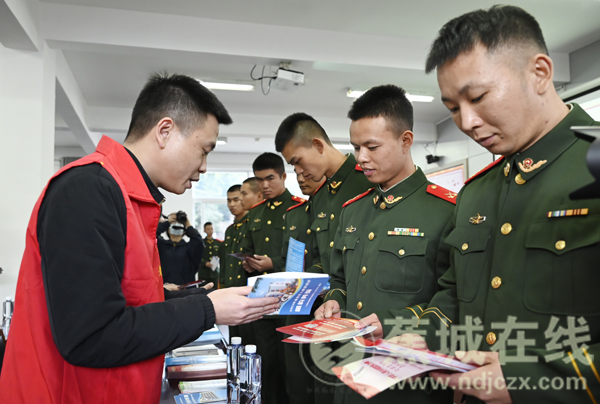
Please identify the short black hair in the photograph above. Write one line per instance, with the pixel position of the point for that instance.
(207, 224)
(388, 101)
(234, 188)
(300, 127)
(268, 161)
(493, 28)
(253, 184)
(179, 97)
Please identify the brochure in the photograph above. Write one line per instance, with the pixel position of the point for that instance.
(296, 291)
(217, 396)
(201, 386)
(190, 360)
(295, 256)
(326, 330)
(241, 256)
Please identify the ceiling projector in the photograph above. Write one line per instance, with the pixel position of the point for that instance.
(286, 79)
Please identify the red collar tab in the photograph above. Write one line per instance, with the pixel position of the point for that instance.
(255, 205)
(357, 167)
(442, 193)
(320, 186)
(356, 198)
(302, 202)
(478, 173)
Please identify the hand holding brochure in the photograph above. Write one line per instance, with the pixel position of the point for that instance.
(327, 330)
(296, 291)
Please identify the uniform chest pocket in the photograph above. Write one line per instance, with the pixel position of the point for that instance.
(319, 228)
(561, 273)
(401, 264)
(348, 245)
(256, 226)
(469, 257)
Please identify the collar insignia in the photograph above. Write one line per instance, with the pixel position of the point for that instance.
(506, 169)
(375, 199)
(477, 219)
(528, 166)
(277, 203)
(390, 199)
(350, 229)
(335, 184)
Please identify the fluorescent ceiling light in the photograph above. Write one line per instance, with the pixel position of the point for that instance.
(411, 97)
(227, 86)
(343, 146)
(221, 141)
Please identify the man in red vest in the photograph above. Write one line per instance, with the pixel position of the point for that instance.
(92, 320)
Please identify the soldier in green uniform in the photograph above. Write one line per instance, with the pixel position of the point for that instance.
(305, 145)
(232, 273)
(523, 274)
(263, 241)
(212, 247)
(385, 253)
(297, 220)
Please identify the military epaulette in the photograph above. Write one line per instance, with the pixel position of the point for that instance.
(356, 198)
(442, 192)
(357, 167)
(255, 205)
(478, 173)
(297, 199)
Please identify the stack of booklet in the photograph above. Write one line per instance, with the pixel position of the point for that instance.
(319, 331)
(200, 368)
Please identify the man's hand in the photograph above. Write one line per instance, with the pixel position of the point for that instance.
(487, 382)
(329, 309)
(410, 340)
(208, 286)
(371, 320)
(171, 286)
(247, 267)
(259, 263)
(232, 307)
(208, 264)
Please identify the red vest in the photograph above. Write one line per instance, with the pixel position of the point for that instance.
(33, 370)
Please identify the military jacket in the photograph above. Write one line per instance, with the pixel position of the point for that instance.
(212, 248)
(524, 270)
(232, 272)
(386, 246)
(297, 221)
(326, 207)
(264, 235)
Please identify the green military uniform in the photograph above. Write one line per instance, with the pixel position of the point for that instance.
(212, 248)
(385, 256)
(232, 272)
(299, 381)
(346, 183)
(264, 236)
(522, 248)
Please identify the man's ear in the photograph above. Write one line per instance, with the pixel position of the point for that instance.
(318, 144)
(407, 140)
(162, 131)
(543, 69)
(284, 176)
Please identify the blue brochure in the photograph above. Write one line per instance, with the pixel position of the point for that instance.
(217, 396)
(295, 256)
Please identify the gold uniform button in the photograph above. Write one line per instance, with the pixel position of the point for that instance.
(230, 278)
(465, 246)
(331, 244)
(506, 228)
(519, 180)
(401, 252)
(433, 186)
(273, 207)
(268, 222)
(371, 236)
(308, 231)
(490, 338)
(239, 276)
(344, 249)
(382, 206)
(305, 252)
(363, 270)
(332, 216)
(267, 239)
(318, 229)
(264, 273)
(359, 305)
(496, 282)
(560, 245)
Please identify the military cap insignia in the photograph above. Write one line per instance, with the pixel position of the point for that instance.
(350, 229)
(256, 220)
(321, 215)
(569, 212)
(477, 219)
(292, 228)
(528, 166)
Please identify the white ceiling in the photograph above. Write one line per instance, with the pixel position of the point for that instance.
(112, 46)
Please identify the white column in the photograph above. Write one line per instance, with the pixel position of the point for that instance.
(27, 99)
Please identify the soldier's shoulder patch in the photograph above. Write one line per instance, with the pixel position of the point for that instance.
(357, 167)
(356, 198)
(261, 202)
(297, 199)
(484, 170)
(442, 193)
